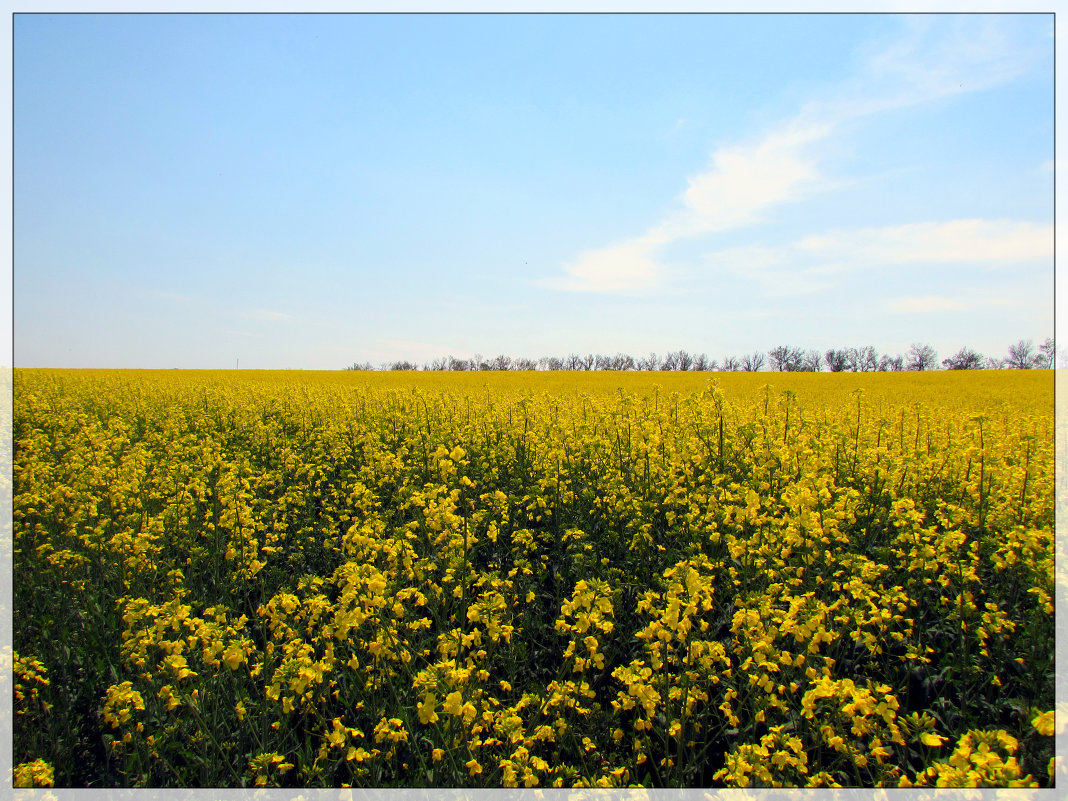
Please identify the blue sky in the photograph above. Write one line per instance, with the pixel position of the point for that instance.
(310, 191)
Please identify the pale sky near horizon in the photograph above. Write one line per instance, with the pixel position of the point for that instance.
(306, 191)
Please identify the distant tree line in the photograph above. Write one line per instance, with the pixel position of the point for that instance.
(784, 358)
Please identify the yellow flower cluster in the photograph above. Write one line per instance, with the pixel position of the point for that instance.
(34, 774)
(980, 759)
(587, 614)
(31, 677)
(121, 703)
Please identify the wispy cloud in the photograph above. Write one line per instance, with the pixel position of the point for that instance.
(741, 184)
(1006, 243)
(936, 304)
(941, 56)
(926, 304)
(812, 263)
(745, 182)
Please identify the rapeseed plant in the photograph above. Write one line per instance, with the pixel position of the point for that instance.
(512, 581)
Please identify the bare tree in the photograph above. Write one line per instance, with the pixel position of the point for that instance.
(852, 360)
(731, 364)
(602, 362)
(867, 359)
(702, 363)
(1048, 351)
(837, 360)
(921, 357)
(525, 364)
(753, 362)
(786, 359)
(502, 362)
(891, 364)
(623, 361)
(964, 359)
(811, 362)
(1021, 355)
(670, 362)
(459, 365)
(861, 360)
(650, 362)
(554, 363)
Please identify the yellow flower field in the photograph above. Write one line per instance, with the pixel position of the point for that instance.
(533, 579)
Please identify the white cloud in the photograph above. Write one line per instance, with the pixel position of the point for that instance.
(624, 267)
(746, 181)
(742, 183)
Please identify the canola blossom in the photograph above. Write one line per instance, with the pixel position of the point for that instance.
(268, 579)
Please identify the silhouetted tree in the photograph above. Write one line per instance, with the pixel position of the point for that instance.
(921, 357)
(836, 359)
(753, 362)
(891, 364)
(785, 359)
(964, 359)
(1047, 350)
(865, 359)
(650, 362)
(1021, 355)
(669, 362)
(702, 363)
